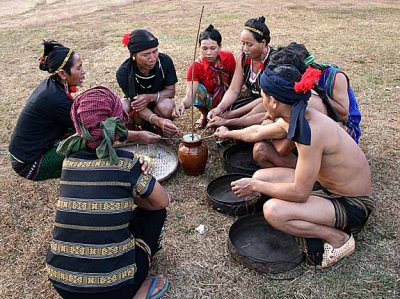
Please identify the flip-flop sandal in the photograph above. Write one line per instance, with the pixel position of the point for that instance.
(332, 255)
(153, 285)
(201, 123)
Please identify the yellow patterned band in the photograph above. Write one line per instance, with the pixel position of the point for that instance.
(254, 30)
(63, 63)
(90, 279)
(93, 228)
(143, 183)
(125, 164)
(87, 251)
(95, 206)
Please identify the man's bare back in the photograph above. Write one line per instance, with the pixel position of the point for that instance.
(344, 168)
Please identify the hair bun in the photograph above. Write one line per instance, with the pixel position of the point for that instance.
(210, 27)
(261, 19)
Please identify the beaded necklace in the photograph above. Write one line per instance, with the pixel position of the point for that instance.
(137, 77)
(253, 77)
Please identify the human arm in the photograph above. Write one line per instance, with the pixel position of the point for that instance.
(157, 200)
(166, 125)
(340, 99)
(187, 101)
(141, 101)
(232, 94)
(305, 174)
(253, 107)
(143, 136)
(283, 146)
(254, 133)
(244, 121)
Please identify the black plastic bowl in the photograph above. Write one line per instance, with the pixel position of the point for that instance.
(239, 159)
(221, 197)
(258, 246)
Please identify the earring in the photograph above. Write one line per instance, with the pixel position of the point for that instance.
(66, 87)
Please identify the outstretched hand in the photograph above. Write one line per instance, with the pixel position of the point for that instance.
(217, 121)
(148, 137)
(213, 113)
(242, 187)
(220, 133)
(168, 128)
(178, 110)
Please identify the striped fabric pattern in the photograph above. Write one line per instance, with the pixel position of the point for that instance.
(93, 249)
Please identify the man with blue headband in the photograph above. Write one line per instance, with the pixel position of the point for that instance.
(324, 221)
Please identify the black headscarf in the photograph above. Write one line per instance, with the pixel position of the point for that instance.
(141, 39)
(282, 89)
(136, 41)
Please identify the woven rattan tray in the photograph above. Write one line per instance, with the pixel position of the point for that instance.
(164, 158)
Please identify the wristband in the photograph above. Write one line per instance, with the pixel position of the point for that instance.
(151, 116)
(158, 97)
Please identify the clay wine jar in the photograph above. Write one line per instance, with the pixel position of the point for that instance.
(192, 154)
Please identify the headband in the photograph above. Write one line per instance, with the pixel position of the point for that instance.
(254, 30)
(283, 90)
(63, 63)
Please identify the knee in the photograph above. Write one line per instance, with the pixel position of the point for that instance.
(258, 147)
(260, 152)
(165, 108)
(274, 212)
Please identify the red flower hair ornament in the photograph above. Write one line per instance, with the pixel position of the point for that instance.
(307, 80)
(125, 39)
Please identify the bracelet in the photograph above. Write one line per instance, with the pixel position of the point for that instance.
(158, 97)
(151, 116)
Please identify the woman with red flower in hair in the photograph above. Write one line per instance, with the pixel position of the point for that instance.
(45, 119)
(147, 79)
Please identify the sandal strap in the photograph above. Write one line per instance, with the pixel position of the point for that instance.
(153, 285)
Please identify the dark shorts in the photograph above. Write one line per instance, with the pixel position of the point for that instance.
(47, 166)
(351, 213)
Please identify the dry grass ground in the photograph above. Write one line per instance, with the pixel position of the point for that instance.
(361, 36)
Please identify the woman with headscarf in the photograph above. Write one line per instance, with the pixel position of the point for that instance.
(244, 93)
(147, 79)
(209, 77)
(110, 213)
(45, 119)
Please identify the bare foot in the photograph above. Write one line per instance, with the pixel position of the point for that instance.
(144, 288)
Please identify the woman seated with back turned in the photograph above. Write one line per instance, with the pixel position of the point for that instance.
(110, 212)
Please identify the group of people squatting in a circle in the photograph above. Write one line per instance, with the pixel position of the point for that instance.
(302, 117)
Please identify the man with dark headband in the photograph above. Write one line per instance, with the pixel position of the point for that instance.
(45, 119)
(110, 213)
(147, 79)
(324, 221)
(332, 95)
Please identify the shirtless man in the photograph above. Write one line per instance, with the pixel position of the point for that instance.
(325, 220)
